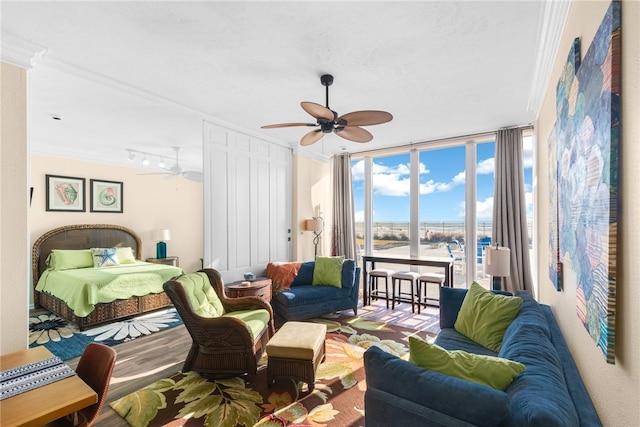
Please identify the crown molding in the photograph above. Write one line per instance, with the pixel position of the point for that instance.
(553, 20)
(20, 52)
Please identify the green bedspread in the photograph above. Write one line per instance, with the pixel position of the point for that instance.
(83, 288)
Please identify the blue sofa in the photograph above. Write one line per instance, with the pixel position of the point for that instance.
(305, 301)
(548, 393)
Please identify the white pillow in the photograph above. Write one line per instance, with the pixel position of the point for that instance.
(104, 257)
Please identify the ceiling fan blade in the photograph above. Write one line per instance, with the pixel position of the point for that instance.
(193, 175)
(311, 137)
(318, 111)
(354, 133)
(365, 118)
(286, 125)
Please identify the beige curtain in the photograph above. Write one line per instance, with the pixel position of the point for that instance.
(509, 208)
(343, 238)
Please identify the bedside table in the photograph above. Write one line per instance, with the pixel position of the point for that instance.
(170, 260)
(260, 287)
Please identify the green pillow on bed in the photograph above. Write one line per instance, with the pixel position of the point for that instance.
(125, 255)
(67, 259)
(105, 257)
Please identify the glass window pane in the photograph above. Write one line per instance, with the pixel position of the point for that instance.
(390, 183)
(442, 195)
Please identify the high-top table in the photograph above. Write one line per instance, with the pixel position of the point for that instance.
(445, 263)
(43, 404)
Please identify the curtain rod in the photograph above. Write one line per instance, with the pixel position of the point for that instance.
(434, 143)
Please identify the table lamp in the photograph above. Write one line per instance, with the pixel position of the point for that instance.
(498, 264)
(161, 246)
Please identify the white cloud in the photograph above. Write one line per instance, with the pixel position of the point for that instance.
(359, 216)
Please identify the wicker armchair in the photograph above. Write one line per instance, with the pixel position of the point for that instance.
(229, 334)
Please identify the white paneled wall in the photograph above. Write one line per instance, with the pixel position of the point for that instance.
(247, 202)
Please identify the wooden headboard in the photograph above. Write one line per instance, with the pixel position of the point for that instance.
(81, 236)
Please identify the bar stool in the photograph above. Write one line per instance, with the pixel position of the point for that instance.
(426, 278)
(374, 276)
(410, 276)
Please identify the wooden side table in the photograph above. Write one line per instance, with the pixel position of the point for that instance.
(170, 260)
(260, 287)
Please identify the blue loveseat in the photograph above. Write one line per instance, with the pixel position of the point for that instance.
(303, 300)
(548, 393)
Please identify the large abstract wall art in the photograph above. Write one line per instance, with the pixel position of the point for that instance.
(587, 134)
(560, 132)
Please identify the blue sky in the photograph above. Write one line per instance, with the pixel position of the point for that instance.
(442, 185)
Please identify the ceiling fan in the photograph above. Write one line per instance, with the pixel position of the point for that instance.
(327, 120)
(176, 170)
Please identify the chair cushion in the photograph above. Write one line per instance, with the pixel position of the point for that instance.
(328, 271)
(256, 320)
(406, 275)
(202, 297)
(484, 316)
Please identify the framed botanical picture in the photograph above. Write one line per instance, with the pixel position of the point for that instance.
(106, 196)
(65, 193)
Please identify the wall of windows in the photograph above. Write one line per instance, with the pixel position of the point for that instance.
(432, 200)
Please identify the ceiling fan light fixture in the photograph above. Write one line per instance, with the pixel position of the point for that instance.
(132, 156)
(145, 161)
(161, 163)
(328, 121)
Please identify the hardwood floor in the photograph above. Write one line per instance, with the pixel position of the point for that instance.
(151, 358)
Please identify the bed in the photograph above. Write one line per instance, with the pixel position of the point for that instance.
(87, 236)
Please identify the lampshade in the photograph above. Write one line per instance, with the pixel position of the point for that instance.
(314, 225)
(162, 235)
(498, 261)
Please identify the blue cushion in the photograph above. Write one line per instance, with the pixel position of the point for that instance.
(539, 396)
(348, 273)
(309, 294)
(446, 397)
(305, 274)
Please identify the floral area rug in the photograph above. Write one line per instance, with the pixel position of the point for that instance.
(66, 341)
(187, 399)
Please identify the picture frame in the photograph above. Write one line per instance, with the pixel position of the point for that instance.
(65, 194)
(106, 196)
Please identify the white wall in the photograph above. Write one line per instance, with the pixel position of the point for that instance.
(14, 248)
(312, 192)
(613, 388)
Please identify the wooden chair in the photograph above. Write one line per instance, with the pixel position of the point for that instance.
(229, 334)
(95, 368)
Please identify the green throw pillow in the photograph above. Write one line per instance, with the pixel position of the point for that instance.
(328, 271)
(67, 259)
(484, 316)
(495, 372)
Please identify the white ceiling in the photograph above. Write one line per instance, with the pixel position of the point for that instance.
(144, 75)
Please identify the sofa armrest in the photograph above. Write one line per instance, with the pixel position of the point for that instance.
(447, 400)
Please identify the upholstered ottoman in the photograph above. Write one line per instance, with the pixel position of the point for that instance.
(295, 351)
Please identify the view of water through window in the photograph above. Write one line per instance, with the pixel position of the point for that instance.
(442, 210)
